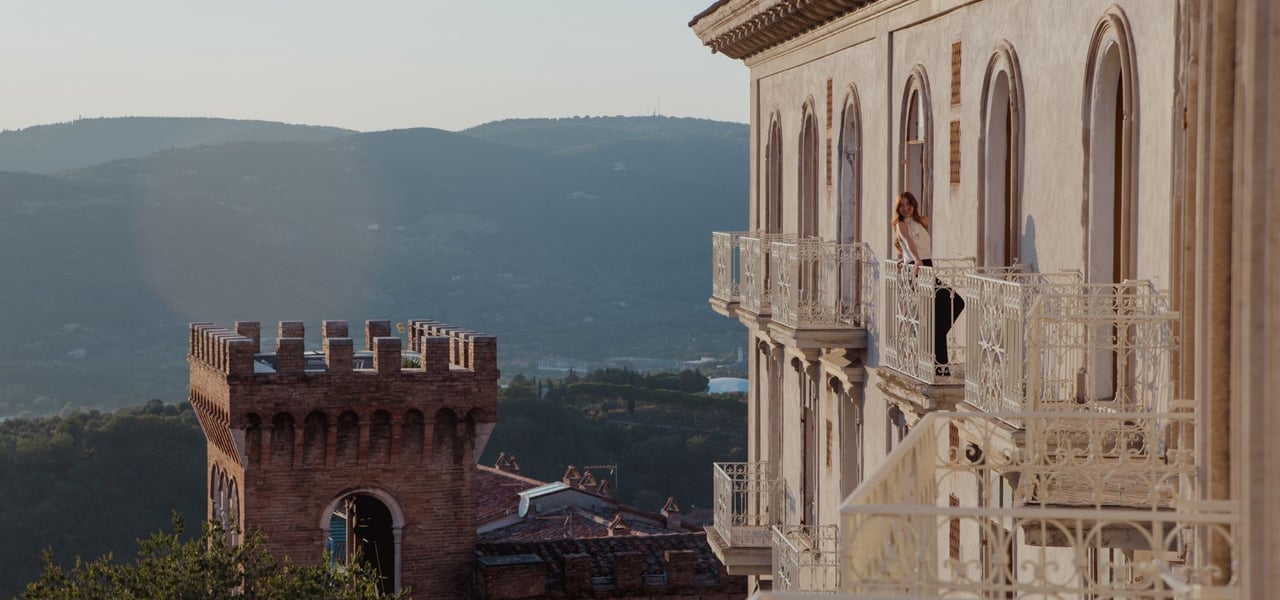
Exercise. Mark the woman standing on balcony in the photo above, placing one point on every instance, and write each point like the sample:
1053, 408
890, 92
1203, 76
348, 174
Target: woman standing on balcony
913, 240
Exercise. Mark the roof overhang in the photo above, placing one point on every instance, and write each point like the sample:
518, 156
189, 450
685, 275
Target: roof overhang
741, 28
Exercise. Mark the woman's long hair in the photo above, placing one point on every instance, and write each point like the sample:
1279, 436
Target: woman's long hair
909, 198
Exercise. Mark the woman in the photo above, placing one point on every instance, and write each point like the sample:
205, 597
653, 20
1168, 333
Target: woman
911, 232
913, 240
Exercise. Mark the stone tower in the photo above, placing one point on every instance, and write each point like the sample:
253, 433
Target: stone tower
346, 450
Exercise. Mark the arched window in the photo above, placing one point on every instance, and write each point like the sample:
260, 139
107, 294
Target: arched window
807, 227
850, 165
916, 141
1111, 119
1110, 115
770, 220
1000, 166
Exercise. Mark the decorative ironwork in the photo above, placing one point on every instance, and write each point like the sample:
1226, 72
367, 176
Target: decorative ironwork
725, 265
923, 299
1077, 505
821, 284
806, 559
1050, 342
745, 501
753, 257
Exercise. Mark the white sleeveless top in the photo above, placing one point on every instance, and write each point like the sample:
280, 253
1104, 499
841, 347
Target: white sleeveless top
922, 240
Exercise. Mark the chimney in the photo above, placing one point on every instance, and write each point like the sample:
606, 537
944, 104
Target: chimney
671, 511
618, 527
507, 463
571, 476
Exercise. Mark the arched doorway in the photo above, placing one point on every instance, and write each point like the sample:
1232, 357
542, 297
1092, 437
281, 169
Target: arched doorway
1000, 190
365, 525
1111, 121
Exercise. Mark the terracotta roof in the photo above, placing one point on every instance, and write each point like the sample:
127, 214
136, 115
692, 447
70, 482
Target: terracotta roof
574, 522
603, 550
498, 493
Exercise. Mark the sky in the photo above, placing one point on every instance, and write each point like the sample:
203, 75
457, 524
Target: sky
366, 65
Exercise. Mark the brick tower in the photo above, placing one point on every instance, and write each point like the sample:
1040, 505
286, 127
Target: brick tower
346, 450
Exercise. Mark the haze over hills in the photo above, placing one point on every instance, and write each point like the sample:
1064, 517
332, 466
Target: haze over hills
87, 142
582, 237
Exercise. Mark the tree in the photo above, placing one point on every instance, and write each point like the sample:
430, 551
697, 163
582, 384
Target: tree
207, 567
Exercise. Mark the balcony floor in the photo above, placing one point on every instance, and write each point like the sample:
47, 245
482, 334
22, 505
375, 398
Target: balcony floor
751, 560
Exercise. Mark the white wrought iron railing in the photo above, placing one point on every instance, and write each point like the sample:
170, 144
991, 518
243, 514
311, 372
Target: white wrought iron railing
745, 496
726, 264
753, 256
1050, 342
821, 284
806, 558
918, 303
1077, 505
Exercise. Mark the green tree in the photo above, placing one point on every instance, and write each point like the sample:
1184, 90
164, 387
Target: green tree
207, 567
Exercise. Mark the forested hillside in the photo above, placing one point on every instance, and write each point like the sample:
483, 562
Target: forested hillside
583, 238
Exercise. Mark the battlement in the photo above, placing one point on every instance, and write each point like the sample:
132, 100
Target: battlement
433, 347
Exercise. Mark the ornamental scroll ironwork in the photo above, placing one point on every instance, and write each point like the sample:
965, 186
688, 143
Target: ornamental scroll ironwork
1078, 504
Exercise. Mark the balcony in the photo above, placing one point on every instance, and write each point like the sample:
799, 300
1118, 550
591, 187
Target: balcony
1050, 342
821, 292
986, 518
917, 302
812, 293
741, 534
806, 559
726, 264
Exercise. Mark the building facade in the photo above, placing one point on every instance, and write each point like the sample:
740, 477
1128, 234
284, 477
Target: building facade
1049, 409
358, 453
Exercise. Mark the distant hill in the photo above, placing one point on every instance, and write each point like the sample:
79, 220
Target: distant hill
590, 250
87, 142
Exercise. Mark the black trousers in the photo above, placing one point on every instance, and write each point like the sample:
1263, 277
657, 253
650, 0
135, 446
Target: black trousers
947, 306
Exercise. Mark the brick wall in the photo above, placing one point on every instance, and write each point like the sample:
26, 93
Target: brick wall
302, 440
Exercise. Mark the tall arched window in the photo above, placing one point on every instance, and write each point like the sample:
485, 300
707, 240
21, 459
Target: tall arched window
808, 213
1110, 114
916, 141
1111, 119
850, 165
1000, 183
770, 219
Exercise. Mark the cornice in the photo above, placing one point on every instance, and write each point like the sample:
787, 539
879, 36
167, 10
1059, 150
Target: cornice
741, 28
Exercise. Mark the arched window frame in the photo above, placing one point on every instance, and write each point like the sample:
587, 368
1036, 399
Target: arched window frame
1113, 31
769, 218
1003, 61
809, 150
849, 206
916, 94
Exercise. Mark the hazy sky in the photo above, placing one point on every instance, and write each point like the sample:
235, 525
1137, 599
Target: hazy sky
360, 64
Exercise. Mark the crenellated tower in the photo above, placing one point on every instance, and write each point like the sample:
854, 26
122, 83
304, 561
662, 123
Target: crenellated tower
343, 450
